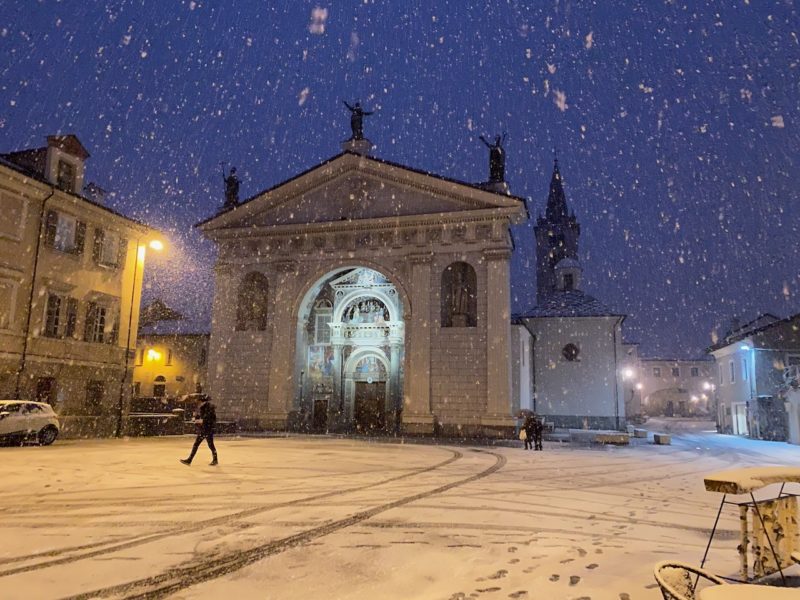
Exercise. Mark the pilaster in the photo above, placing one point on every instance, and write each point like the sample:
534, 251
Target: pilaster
417, 417
498, 334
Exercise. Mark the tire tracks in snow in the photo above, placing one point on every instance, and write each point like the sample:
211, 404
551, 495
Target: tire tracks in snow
102, 548
179, 578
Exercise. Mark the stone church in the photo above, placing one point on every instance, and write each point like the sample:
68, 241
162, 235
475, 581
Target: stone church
364, 295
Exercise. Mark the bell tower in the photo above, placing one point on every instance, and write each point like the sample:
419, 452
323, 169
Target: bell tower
556, 235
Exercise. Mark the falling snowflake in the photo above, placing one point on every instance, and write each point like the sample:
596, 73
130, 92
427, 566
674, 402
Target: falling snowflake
318, 18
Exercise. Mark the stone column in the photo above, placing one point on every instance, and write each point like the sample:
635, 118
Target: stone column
281, 370
417, 417
393, 389
498, 339
336, 411
223, 311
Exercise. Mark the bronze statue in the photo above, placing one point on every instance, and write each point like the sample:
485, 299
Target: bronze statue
497, 159
357, 115
231, 187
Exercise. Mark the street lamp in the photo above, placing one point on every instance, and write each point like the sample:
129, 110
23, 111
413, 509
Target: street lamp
141, 250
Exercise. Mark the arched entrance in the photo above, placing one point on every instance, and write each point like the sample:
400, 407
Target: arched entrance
349, 359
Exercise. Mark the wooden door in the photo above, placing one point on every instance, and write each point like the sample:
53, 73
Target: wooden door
369, 410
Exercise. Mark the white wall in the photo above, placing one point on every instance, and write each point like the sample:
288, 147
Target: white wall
588, 387
521, 368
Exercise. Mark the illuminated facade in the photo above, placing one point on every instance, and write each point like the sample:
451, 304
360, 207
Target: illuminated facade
70, 285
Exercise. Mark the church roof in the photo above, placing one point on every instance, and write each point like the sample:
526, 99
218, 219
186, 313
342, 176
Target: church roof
568, 303
568, 263
174, 327
479, 195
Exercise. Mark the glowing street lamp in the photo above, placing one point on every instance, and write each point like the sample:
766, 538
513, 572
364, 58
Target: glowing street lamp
157, 245
627, 373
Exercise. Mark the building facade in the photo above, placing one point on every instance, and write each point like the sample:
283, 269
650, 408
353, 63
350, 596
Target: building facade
365, 295
675, 388
751, 361
70, 284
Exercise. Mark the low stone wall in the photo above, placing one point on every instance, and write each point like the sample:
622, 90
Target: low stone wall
585, 422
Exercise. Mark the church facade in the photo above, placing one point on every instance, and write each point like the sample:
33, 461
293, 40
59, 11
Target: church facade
364, 295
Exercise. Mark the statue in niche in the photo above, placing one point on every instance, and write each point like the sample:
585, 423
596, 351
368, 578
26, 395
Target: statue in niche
497, 159
460, 301
357, 115
231, 187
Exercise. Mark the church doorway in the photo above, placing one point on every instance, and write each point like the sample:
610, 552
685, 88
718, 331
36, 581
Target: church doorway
369, 412
350, 349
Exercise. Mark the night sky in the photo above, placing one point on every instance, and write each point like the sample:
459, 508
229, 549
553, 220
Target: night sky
676, 126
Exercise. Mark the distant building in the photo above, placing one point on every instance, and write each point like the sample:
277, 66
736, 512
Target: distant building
578, 349
171, 353
676, 387
70, 285
751, 361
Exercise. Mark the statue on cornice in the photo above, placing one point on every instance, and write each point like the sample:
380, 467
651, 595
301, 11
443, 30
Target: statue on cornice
497, 159
357, 115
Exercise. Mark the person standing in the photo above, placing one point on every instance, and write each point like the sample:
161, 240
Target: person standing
528, 427
538, 431
205, 421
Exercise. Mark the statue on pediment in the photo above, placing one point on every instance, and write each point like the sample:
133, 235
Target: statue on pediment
231, 188
357, 115
497, 159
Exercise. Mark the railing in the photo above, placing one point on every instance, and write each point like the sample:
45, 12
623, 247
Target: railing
365, 331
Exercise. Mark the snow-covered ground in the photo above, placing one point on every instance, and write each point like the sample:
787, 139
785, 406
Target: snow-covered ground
315, 517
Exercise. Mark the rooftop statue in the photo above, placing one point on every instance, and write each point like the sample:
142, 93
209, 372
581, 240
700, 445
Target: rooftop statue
497, 159
231, 187
357, 115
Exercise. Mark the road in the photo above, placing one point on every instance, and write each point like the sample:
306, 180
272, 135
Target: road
302, 517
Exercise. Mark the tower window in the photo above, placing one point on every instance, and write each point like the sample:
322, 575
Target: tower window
570, 352
569, 281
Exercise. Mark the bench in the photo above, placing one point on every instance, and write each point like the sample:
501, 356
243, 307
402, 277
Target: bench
662, 439
640, 433
617, 439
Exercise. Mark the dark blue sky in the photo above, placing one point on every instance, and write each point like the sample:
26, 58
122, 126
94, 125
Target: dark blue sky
676, 126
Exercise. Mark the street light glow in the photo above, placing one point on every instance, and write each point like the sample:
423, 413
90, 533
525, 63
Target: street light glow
639, 386
627, 372
157, 245
153, 354
744, 347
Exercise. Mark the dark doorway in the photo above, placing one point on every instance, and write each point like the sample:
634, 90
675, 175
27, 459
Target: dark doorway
46, 390
319, 417
370, 406
669, 410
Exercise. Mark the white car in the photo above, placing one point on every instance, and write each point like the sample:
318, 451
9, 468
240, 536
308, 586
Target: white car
23, 419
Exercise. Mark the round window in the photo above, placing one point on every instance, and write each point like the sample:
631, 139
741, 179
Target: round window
570, 352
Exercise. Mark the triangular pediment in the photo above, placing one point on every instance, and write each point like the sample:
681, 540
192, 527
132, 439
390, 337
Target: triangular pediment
353, 187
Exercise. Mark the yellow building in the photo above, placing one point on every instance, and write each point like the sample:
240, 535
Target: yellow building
70, 286
169, 364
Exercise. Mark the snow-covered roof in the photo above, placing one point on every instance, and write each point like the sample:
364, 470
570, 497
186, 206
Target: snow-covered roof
569, 303
568, 263
176, 327
744, 481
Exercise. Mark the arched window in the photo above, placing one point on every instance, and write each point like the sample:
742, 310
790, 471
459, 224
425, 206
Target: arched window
251, 309
459, 296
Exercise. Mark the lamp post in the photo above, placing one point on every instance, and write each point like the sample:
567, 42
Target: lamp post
139, 256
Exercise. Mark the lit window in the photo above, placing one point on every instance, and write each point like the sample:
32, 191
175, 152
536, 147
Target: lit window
109, 248
95, 329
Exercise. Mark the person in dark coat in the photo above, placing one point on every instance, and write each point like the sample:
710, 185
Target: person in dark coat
538, 431
205, 421
528, 427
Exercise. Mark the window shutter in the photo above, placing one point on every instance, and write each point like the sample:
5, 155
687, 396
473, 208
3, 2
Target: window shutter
97, 248
72, 317
91, 315
80, 237
114, 337
123, 252
50, 227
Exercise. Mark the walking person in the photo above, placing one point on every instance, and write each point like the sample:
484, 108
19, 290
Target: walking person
537, 429
205, 421
527, 426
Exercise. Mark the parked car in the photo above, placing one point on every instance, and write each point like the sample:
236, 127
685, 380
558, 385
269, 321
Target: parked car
22, 419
